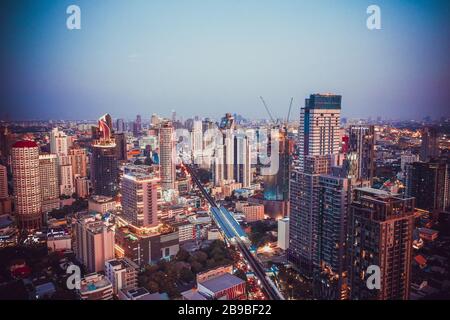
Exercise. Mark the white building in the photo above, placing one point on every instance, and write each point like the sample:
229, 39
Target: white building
122, 273
283, 233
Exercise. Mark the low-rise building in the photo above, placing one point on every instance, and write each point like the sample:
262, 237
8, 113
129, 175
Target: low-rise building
95, 286
122, 273
101, 204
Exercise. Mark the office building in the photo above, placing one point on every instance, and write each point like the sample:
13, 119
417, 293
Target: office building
140, 198
104, 164
27, 184
319, 132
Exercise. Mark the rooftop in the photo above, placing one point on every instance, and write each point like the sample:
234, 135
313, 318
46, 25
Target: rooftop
222, 282
25, 144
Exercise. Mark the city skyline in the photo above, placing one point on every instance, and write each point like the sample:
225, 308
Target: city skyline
201, 58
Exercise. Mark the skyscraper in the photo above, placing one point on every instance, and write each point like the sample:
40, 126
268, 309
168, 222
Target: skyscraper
335, 194
104, 165
319, 132
430, 144
167, 156
78, 160
380, 235
27, 186
242, 164
428, 183
120, 126
3, 182
361, 150
197, 140
139, 199
66, 176
48, 171
121, 146
305, 213
59, 143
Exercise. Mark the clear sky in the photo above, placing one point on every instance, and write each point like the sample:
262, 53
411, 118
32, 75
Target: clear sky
208, 57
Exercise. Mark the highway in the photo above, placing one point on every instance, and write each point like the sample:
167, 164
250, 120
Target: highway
255, 265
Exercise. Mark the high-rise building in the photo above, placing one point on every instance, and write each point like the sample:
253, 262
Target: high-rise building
167, 156
242, 164
59, 142
304, 217
283, 234
430, 144
335, 194
380, 233
66, 179
79, 160
49, 176
3, 182
276, 185
121, 146
27, 184
361, 150
137, 127
120, 126
428, 183
319, 132
197, 140
139, 199
104, 164
82, 185
94, 243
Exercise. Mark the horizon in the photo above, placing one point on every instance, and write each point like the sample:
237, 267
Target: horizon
201, 58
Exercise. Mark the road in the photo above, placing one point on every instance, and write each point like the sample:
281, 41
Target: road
259, 271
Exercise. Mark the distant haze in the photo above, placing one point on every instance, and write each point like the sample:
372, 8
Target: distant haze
205, 58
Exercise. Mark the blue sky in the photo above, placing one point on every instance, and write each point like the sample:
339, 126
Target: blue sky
206, 58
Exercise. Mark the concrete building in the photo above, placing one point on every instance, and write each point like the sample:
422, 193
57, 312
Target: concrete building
140, 199
305, 212
283, 234
48, 172
319, 132
146, 248
27, 184
94, 243
382, 227
253, 212
3, 182
95, 286
101, 204
79, 160
167, 156
122, 273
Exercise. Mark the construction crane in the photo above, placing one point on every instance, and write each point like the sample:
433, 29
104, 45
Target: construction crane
267, 108
289, 112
